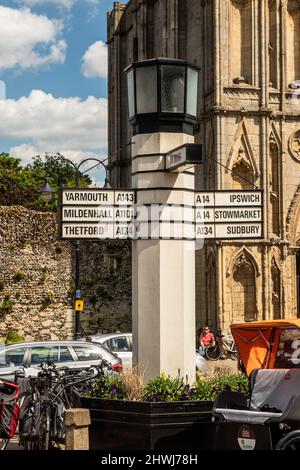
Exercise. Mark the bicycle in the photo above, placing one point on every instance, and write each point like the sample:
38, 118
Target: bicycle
225, 346
9, 411
42, 423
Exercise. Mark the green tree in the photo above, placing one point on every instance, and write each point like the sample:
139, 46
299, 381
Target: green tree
20, 185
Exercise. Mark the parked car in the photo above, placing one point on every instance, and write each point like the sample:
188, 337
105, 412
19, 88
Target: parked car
121, 344
73, 354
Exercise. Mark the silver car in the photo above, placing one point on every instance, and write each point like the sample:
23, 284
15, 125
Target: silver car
73, 354
121, 344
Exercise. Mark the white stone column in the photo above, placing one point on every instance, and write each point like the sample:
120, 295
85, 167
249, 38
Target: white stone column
163, 270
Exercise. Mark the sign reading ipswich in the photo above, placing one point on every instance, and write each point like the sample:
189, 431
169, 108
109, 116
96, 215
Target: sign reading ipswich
96, 213
229, 214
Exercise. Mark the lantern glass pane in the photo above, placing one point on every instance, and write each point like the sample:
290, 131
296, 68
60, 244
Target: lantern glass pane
172, 88
192, 92
146, 89
131, 98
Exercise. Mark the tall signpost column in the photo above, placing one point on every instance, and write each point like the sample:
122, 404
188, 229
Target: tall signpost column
162, 110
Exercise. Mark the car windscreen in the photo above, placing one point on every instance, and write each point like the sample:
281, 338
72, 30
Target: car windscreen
107, 351
11, 357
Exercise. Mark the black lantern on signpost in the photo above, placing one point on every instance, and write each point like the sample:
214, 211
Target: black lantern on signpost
162, 95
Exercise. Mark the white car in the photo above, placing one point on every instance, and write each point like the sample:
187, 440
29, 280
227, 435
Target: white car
121, 345
72, 354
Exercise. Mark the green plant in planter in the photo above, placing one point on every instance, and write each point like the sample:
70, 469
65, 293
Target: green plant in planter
164, 388
105, 387
13, 337
7, 305
208, 389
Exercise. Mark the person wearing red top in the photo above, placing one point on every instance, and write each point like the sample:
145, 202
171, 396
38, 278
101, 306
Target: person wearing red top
206, 339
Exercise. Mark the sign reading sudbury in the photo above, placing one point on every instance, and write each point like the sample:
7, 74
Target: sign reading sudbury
114, 214
229, 214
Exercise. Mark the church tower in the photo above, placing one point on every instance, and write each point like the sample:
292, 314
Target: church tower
249, 124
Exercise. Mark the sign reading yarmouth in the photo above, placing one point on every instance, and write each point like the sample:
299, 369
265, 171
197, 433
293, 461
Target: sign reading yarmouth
229, 214
114, 214
97, 213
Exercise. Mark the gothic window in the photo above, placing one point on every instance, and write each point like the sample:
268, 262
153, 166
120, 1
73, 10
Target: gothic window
240, 41
275, 276
243, 176
274, 187
244, 290
273, 43
293, 41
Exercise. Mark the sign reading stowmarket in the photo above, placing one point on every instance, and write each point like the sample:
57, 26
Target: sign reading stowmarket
97, 213
229, 214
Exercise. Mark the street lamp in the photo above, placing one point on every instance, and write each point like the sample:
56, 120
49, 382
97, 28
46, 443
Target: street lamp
162, 105
162, 95
47, 192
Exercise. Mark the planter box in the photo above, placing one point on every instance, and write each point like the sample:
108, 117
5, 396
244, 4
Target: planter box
129, 425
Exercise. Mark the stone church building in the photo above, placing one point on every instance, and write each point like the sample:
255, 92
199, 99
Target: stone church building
248, 121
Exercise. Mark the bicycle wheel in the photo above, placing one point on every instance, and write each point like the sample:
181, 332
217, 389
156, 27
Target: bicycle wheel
44, 430
41, 438
213, 353
3, 443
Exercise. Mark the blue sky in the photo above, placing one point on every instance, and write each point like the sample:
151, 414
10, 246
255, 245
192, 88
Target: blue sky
53, 60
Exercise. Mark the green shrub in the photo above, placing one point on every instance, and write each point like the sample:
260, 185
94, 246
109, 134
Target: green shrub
47, 301
44, 275
58, 249
13, 337
19, 275
7, 305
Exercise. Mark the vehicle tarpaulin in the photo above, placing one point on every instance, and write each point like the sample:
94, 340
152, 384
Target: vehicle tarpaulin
257, 342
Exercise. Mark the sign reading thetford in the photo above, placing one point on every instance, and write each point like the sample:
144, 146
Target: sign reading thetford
97, 213
229, 214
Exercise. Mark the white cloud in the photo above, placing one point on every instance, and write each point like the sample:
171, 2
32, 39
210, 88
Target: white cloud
26, 152
29, 40
40, 123
62, 3
95, 61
